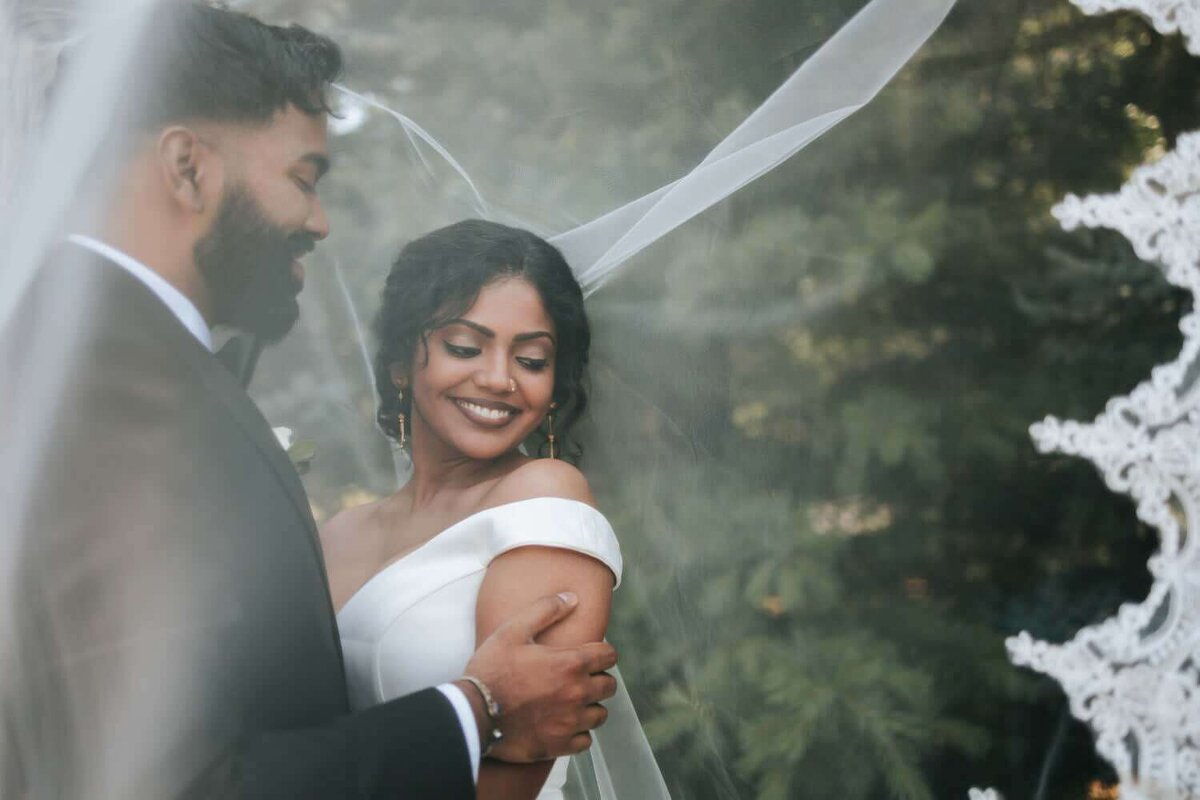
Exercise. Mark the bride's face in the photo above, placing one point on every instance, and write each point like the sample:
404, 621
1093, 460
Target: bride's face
487, 379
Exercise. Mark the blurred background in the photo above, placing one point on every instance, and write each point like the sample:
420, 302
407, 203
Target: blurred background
810, 405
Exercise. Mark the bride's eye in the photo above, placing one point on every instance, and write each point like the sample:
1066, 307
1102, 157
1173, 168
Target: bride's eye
533, 364
460, 351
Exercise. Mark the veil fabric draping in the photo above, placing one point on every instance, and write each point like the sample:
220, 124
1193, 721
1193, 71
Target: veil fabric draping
41, 174
832, 84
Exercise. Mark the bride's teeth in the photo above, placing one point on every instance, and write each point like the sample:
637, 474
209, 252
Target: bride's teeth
489, 413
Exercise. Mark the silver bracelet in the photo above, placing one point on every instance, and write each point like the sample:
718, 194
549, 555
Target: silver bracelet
493, 711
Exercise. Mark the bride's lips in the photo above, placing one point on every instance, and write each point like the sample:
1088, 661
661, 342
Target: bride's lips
488, 413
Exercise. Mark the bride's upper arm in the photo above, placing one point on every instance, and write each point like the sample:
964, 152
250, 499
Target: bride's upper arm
518, 577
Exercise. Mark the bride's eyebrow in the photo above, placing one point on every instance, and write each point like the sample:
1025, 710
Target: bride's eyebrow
475, 326
491, 334
525, 337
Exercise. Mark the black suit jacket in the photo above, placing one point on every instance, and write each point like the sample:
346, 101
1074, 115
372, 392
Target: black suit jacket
167, 627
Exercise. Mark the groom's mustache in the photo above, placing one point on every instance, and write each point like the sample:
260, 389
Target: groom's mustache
302, 244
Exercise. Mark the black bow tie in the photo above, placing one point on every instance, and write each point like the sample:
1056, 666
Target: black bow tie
240, 356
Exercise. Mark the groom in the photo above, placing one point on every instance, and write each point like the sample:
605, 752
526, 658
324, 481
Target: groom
168, 627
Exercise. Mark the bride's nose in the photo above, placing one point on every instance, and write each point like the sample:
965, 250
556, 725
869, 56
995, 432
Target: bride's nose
495, 376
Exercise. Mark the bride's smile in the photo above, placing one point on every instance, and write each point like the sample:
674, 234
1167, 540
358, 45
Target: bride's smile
488, 413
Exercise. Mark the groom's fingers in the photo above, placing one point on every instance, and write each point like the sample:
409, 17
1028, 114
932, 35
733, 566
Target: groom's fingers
594, 716
541, 614
597, 656
579, 742
600, 687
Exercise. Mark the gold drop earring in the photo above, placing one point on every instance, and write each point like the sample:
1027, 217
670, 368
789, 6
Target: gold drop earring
400, 418
550, 435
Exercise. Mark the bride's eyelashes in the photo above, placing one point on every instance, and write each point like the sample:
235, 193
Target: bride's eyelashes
460, 351
467, 351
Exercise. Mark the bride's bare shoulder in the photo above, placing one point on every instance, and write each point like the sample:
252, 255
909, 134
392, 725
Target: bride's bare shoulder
350, 541
542, 477
345, 529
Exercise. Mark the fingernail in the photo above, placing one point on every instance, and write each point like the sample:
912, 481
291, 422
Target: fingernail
568, 597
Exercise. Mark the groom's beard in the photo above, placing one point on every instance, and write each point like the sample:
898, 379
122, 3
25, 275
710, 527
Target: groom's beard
246, 260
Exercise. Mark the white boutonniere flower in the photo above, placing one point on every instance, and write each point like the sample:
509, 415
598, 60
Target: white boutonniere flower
284, 436
299, 451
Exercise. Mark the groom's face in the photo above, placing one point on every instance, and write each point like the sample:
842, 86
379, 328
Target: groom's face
268, 218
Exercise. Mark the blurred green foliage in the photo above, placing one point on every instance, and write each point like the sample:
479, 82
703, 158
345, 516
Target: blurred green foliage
811, 405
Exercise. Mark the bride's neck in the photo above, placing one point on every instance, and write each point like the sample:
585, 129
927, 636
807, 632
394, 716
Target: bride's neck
436, 475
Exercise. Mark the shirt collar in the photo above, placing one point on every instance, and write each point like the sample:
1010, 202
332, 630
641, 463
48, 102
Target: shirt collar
178, 303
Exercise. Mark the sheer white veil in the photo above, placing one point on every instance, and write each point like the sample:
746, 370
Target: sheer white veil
832, 84
46, 150
41, 173
47, 153
837, 80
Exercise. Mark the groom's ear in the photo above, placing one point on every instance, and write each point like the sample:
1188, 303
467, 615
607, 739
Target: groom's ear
185, 164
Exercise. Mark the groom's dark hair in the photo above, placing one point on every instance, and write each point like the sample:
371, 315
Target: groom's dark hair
201, 61
212, 63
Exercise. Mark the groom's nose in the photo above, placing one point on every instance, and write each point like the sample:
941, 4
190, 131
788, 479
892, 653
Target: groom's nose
317, 224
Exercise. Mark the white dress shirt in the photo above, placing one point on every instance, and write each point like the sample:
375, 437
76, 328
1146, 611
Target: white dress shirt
183, 308
189, 316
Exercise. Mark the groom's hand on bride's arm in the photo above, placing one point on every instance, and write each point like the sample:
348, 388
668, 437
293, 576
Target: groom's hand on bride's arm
549, 697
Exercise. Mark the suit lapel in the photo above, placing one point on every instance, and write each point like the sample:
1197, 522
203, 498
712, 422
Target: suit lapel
222, 385
224, 388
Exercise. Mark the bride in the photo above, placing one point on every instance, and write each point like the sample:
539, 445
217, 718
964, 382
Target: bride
483, 344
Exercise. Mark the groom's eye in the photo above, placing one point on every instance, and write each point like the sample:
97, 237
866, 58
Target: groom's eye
460, 351
304, 185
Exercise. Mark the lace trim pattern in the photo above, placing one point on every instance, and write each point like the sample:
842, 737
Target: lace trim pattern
1167, 16
1135, 678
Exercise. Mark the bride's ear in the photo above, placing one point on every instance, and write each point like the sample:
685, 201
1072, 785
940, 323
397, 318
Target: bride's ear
399, 375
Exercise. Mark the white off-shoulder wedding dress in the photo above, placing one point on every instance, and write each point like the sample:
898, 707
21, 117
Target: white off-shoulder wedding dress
412, 625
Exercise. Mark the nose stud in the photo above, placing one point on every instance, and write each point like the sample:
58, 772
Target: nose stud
512, 385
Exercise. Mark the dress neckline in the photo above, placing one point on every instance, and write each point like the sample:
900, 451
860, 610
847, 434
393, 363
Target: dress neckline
386, 568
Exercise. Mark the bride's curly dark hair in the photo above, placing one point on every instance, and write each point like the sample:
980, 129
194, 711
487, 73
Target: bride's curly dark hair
438, 277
